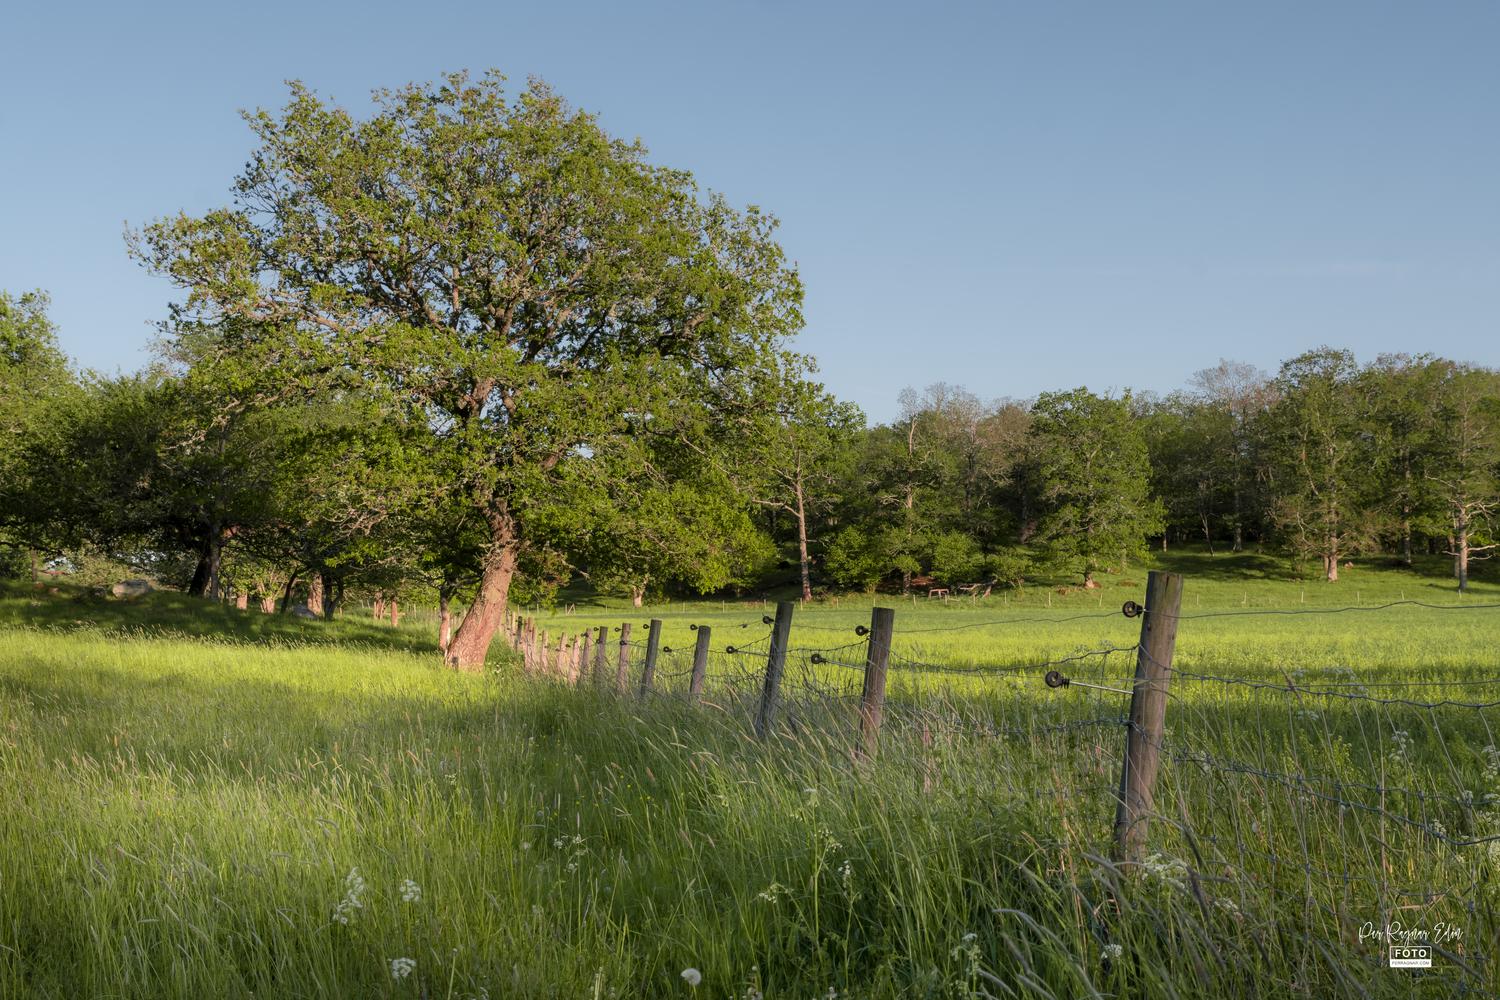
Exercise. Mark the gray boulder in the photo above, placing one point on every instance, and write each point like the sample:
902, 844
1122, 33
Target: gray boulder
303, 611
131, 590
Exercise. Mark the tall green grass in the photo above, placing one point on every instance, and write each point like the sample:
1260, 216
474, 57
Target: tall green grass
187, 808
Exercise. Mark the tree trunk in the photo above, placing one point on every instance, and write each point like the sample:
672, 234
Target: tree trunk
445, 621
242, 601
286, 593
1239, 528
395, 613
802, 542
315, 594
1331, 566
1461, 554
472, 641
205, 582
267, 604
333, 596
377, 609
637, 595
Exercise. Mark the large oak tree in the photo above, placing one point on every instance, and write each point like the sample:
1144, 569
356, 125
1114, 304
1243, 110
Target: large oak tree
503, 269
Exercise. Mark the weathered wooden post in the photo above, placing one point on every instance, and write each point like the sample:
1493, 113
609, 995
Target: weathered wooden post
520, 623
1148, 714
622, 667
700, 663
585, 646
872, 697
544, 655
775, 666
653, 643
599, 655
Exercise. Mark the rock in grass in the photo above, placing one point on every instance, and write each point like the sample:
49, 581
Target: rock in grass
131, 590
303, 611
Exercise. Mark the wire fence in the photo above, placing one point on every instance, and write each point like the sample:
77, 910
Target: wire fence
1354, 798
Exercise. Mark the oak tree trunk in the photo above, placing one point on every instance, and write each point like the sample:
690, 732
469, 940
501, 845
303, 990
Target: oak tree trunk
802, 543
315, 594
445, 622
471, 643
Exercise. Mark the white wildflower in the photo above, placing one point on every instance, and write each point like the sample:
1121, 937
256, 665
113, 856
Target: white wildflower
402, 967
410, 891
692, 977
1113, 951
354, 888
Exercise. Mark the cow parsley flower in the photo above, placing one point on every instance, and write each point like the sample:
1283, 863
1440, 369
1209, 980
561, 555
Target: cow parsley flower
410, 891
1113, 951
402, 967
354, 888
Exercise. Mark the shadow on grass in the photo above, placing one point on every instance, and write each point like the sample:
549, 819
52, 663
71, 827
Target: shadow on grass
68, 607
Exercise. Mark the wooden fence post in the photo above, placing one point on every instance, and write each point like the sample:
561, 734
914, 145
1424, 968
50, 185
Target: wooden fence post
515, 642
700, 663
622, 667
775, 666
653, 643
872, 698
544, 664
599, 655
1148, 714
585, 647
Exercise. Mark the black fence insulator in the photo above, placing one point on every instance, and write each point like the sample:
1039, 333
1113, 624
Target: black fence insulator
861, 630
730, 649
1055, 679
817, 658
693, 628
1130, 609
767, 620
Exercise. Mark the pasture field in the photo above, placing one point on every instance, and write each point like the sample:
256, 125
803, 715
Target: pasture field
199, 802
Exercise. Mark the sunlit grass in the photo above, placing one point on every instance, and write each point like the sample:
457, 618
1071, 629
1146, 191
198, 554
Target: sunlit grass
185, 795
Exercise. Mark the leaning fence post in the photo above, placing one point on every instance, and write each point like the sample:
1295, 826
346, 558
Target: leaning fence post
599, 655
775, 666
622, 667
653, 643
1148, 713
872, 698
700, 663
520, 624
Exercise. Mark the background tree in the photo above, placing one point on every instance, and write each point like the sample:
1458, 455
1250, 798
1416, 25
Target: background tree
1400, 396
796, 459
1465, 463
496, 268
1324, 479
1096, 480
36, 387
1244, 393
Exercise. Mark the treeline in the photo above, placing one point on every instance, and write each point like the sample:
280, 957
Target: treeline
1323, 461
473, 349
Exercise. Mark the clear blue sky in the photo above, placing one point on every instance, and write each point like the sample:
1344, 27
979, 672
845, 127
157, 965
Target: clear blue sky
1009, 196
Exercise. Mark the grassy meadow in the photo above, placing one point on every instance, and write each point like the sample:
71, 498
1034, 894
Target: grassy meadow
196, 802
